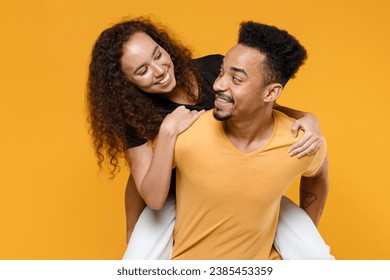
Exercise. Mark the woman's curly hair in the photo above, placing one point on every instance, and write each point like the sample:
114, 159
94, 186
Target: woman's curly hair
114, 103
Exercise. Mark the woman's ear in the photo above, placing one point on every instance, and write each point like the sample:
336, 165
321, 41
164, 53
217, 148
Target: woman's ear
273, 91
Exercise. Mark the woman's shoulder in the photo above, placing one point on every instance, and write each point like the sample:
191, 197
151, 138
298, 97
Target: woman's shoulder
209, 60
209, 66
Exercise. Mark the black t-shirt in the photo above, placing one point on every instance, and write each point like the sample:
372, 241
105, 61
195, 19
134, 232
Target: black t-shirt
209, 67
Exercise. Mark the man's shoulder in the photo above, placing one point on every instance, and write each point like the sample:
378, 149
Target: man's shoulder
284, 139
282, 117
200, 134
204, 125
284, 123
205, 121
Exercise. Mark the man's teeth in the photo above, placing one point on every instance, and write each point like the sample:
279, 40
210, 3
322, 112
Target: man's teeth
223, 99
166, 79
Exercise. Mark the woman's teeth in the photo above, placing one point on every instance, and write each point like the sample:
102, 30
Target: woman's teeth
164, 80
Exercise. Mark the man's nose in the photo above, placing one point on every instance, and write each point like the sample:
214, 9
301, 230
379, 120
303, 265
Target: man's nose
219, 84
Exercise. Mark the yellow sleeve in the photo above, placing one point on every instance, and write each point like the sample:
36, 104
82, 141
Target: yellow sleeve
318, 159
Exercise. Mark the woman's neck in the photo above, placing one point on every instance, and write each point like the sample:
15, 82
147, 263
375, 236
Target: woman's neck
181, 96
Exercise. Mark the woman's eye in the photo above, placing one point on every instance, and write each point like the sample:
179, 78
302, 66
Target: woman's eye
143, 71
158, 56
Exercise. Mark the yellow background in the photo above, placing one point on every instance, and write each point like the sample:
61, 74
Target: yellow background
54, 202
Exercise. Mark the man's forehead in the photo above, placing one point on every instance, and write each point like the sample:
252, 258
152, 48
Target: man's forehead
243, 57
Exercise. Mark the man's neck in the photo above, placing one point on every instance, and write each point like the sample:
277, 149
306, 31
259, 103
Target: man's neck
249, 134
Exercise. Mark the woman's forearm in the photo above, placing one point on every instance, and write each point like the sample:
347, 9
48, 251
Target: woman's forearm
155, 185
296, 114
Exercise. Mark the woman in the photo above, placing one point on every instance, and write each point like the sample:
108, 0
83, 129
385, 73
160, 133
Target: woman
138, 81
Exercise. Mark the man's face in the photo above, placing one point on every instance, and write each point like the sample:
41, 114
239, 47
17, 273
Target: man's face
239, 88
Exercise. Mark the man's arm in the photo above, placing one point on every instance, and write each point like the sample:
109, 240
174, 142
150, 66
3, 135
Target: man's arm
314, 191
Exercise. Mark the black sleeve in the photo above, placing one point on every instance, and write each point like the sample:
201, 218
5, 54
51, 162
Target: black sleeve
132, 138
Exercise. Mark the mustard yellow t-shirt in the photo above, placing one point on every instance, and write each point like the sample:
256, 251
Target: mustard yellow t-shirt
228, 201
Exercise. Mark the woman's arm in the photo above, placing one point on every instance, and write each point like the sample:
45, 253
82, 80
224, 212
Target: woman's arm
151, 170
311, 140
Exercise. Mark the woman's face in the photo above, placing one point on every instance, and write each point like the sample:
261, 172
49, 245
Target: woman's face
148, 65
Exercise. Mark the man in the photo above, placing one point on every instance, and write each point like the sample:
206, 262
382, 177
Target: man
232, 173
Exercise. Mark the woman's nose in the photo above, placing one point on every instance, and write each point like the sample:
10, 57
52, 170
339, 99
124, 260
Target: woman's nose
158, 70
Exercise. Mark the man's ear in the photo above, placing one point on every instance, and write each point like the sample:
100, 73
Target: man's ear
273, 91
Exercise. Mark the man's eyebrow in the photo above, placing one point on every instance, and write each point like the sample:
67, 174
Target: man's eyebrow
235, 69
153, 54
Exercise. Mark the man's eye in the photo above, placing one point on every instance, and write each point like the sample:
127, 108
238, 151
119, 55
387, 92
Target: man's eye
236, 79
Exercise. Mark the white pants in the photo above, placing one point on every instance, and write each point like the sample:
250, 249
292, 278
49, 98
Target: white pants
297, 238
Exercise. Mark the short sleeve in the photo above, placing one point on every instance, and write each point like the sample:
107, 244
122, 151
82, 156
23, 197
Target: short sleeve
318, 160
132, 138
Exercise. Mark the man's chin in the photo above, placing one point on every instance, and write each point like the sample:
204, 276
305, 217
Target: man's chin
221, 117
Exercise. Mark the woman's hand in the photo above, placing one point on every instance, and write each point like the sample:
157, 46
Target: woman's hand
310, 141
180, 120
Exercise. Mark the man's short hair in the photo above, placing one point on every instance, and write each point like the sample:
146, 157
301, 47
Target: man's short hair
284, 54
